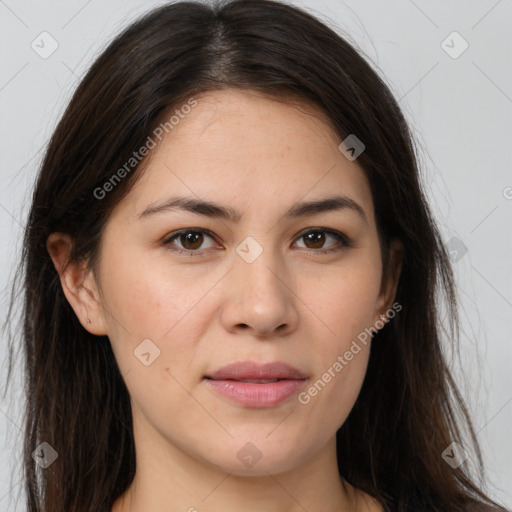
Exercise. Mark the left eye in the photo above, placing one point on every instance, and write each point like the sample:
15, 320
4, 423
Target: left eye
317, 237
191, 240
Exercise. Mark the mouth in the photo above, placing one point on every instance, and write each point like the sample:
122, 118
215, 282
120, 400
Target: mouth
251, 381
253, 371
254, 385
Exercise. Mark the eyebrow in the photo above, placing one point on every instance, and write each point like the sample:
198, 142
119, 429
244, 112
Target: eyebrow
211, 209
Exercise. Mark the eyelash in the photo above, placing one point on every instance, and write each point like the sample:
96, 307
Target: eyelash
340, 237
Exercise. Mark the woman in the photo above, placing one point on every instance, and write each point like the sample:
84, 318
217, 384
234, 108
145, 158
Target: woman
230, 276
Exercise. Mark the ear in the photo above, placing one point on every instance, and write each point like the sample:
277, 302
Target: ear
389, 282
78, 284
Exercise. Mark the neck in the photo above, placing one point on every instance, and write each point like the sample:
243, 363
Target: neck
169, 479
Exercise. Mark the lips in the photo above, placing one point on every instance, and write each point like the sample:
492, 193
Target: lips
250, 371
255, 385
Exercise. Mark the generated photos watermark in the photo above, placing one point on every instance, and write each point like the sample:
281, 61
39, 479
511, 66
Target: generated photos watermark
137, 156
343, 360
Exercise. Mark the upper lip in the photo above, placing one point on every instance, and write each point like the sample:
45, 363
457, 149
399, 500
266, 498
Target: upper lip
248, 370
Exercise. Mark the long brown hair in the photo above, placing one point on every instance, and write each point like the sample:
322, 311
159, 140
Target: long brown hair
408, 411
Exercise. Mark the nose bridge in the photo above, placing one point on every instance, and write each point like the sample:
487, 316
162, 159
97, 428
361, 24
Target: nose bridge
259, 298
257, 267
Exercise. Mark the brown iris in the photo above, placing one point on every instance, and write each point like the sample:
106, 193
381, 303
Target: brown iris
317, 238
191, 240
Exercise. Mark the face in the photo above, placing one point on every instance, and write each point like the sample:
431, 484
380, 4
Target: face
256, 279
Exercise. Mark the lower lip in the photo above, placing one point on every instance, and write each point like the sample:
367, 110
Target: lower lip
254, 394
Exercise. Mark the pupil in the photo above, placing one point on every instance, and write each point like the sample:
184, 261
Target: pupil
317, 238
191, 239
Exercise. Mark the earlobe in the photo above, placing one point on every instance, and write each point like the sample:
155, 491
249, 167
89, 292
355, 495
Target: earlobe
78, 284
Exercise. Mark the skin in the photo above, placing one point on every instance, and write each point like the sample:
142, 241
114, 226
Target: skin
293, 304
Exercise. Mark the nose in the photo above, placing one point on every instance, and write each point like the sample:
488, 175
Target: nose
260, 299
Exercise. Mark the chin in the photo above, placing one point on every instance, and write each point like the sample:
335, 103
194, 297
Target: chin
274, 465
256, 459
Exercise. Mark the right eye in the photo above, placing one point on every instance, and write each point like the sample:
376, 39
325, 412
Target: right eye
190, 239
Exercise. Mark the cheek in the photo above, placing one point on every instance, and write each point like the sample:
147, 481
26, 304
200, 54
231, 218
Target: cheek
343, 301
344, 305
152, 300
334, 390
149, 295
170, 304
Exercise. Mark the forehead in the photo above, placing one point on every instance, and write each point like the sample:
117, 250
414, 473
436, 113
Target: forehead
252, 152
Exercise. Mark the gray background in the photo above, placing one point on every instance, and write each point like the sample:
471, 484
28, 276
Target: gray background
459, 109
